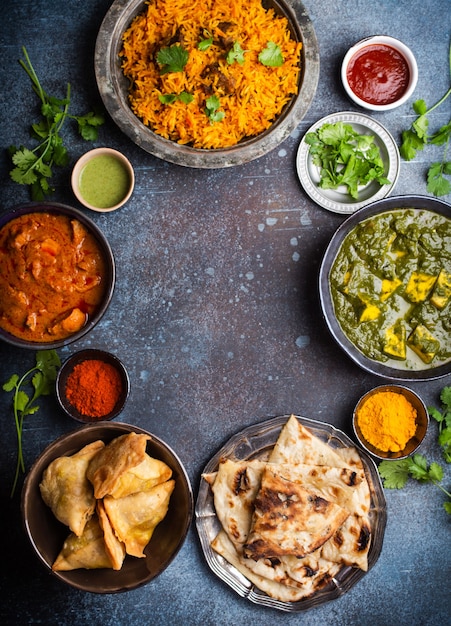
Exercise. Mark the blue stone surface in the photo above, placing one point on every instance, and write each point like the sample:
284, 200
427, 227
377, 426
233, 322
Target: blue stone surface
217, 320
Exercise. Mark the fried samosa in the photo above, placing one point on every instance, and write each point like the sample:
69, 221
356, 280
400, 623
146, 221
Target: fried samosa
87, 552
67, 491
117, 457
135, 517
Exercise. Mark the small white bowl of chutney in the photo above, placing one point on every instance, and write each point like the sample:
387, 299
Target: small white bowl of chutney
103, 179
379, 73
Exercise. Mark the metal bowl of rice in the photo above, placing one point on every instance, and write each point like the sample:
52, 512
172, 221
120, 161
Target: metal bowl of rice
199, 115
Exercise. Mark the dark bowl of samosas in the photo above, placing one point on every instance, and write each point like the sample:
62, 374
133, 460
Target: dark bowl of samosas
107, 507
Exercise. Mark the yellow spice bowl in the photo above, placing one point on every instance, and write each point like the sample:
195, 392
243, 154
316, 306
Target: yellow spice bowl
421, 422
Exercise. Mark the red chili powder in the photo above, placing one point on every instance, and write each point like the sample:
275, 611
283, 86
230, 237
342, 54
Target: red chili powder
94, 387
378, 74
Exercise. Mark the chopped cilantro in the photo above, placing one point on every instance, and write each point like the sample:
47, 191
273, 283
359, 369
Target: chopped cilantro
345, 157
212, 109
271, 55
204, 44
172, 59
236, 53
170, 98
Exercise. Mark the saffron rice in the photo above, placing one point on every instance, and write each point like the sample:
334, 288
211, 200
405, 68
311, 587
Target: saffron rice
251, 95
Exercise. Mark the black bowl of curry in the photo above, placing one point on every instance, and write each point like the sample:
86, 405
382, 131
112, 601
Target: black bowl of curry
57, 275
385, 288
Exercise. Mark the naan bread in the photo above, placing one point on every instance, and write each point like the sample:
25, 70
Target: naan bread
289, 519
234, 491
135, 517
296, 444
300, 467
142, 477
117, 458
87, 551
350, 544
66, 490
282, 588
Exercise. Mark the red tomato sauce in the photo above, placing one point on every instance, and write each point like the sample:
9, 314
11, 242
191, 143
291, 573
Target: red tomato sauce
378, 74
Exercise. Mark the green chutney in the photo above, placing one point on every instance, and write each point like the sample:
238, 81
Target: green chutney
390, 285
104, 181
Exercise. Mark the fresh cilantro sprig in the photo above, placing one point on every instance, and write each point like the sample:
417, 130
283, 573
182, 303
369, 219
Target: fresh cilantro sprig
345, 157
41, 378
443, 417
271, 55
396, 474
212, 105
416, 137
33, 167
172, 59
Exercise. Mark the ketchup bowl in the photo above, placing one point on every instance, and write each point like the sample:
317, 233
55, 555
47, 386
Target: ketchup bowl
379, 73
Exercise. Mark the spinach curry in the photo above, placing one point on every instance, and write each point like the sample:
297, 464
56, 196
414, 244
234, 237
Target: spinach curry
391, 288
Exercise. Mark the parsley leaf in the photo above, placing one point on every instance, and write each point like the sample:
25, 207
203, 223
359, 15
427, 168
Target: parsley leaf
34, 167
172, 59
271, 55
41, 377
344, 157
236, 53
212, 109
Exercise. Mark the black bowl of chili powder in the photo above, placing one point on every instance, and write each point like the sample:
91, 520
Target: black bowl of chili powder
92, 385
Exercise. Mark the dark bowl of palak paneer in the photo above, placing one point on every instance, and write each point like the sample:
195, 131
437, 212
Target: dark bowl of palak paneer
385, 288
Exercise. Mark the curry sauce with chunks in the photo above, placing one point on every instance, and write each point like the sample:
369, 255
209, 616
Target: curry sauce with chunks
51, 276
391, 288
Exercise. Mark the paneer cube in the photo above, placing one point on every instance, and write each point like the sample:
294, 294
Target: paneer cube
442, 290
419, 286
423, 343
395, 341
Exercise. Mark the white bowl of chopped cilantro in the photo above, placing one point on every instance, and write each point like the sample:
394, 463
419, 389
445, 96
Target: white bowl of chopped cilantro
347, 160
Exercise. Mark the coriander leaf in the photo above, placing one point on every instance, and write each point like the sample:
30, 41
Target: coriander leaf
395, 473
211, 111
271, 55
34, 167
445, 397
437, 184
416, 138
236, 53
41, 378
170, 98
204, 44
167, 98
172, 59
447, 507
345, 157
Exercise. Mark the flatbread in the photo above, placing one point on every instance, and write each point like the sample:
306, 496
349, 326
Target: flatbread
263, 542
282, 588
296, 445
117, 457
289, 519
66, 490
234, 491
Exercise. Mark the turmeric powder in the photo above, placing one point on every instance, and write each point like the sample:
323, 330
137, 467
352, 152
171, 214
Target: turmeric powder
387, 420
